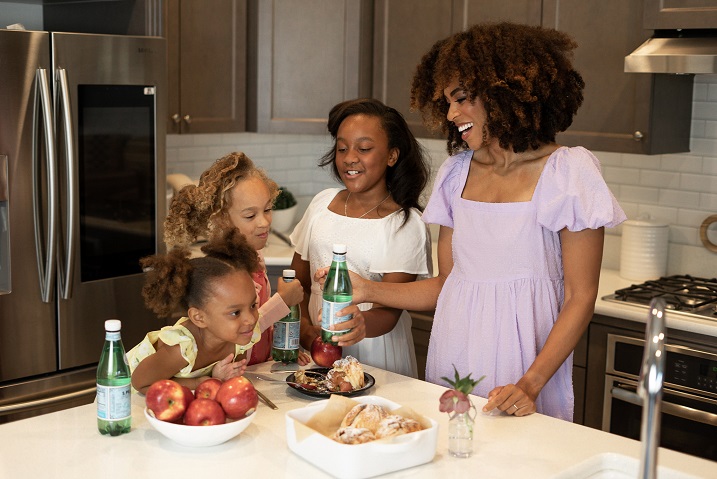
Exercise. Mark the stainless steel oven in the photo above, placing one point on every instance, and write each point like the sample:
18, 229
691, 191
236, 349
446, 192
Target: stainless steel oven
689, 404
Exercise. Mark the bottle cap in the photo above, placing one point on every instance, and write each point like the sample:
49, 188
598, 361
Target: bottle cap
339, 248
113, 325
288, 274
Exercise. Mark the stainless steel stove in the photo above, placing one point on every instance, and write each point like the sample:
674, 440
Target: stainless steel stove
684, 294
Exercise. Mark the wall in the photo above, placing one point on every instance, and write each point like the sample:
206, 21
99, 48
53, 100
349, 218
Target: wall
679, 189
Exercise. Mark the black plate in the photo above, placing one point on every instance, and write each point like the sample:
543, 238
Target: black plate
368, 381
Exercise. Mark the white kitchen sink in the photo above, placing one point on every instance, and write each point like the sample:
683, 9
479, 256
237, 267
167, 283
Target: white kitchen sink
615, 466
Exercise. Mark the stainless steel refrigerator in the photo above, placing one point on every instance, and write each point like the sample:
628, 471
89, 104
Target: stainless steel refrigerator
82, 199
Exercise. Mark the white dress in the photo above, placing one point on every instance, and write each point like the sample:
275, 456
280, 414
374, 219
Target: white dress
374, 247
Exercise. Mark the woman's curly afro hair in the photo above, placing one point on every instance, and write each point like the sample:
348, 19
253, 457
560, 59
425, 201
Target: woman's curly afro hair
522, 74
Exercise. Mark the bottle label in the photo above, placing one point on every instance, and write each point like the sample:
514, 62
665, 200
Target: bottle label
329, 317
286, 335
114, 402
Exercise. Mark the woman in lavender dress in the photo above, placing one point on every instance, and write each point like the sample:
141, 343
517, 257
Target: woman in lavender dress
521, 218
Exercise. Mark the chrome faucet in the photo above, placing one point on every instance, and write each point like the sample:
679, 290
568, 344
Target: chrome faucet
650, 387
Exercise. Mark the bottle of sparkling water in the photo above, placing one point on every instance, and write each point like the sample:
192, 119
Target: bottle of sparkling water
337, 295
286, 330
114, 410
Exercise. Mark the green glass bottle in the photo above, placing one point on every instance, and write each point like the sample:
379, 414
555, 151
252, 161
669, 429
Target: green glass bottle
114, 390
337, 295
286, 331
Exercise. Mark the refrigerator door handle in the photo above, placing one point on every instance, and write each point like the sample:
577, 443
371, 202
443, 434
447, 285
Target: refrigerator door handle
46, 258
62, 107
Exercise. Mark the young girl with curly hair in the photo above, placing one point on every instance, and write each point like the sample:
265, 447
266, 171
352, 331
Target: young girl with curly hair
521, 217
377, 215
222, 314
234, 194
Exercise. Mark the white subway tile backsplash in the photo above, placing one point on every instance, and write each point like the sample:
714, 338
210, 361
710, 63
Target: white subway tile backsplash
681, 162
709, 166
685, 199
620, 175
700, 182
708, 202
639, 194
660, 179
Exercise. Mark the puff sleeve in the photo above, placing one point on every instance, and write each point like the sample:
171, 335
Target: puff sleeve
445, 188
572, 193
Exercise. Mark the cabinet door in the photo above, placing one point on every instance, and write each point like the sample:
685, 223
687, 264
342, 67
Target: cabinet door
207, 66
404, 30
310, 55
616, 105
470, 12
674, 14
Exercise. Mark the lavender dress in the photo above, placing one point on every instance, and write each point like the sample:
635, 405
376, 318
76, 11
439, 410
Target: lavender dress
506, 288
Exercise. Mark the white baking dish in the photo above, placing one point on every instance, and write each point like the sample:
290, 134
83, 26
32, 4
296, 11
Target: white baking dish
358, 461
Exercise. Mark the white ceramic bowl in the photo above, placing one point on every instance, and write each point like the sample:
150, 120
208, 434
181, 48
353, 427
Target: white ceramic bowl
199, 436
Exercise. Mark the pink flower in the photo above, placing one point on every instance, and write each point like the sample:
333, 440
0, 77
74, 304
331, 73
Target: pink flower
456, 399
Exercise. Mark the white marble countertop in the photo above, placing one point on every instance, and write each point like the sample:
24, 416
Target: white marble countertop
66, 444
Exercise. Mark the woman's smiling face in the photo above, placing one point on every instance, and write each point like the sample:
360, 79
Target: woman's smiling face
469, 117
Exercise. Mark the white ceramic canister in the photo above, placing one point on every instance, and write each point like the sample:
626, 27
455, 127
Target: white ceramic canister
643, 250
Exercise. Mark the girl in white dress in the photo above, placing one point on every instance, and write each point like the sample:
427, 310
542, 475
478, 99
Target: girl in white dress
378, 217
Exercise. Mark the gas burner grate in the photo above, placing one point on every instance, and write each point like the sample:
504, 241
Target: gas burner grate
681, 292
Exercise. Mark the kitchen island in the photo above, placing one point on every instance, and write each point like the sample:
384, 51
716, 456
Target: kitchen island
66, 444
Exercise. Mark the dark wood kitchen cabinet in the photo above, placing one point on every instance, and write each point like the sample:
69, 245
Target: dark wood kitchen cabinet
638, 113
404, 30
676, 14
207, 45
306, 56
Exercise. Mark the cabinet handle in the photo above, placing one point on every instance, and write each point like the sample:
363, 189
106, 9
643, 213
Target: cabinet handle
176, 118
187, 119
638, 136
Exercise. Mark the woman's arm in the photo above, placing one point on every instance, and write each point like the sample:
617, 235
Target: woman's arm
417, 296
582, 255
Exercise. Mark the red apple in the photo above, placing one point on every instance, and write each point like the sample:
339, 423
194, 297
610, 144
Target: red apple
204, 412
238, 397
165, 398
324, 354
208, 388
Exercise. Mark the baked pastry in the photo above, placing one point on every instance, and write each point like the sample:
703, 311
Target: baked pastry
353, 435
350, 370
366, 416
395, 425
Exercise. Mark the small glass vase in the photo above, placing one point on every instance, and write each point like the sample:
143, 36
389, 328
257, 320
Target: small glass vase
460, 434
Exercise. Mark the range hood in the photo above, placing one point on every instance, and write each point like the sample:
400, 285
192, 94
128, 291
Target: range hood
675, 51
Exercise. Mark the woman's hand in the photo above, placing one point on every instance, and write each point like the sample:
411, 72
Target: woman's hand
510, 399
227, 368
357, 325
358, 284
292, 292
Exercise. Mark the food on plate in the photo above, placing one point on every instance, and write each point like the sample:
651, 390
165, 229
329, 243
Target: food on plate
238, 397
366, 416
346, 375
350, 369
395, 425
368, 422
324, 354
353, 435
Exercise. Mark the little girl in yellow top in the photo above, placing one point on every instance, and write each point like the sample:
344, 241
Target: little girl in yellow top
222, 322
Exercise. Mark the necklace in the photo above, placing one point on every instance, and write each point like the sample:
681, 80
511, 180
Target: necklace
346, 205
